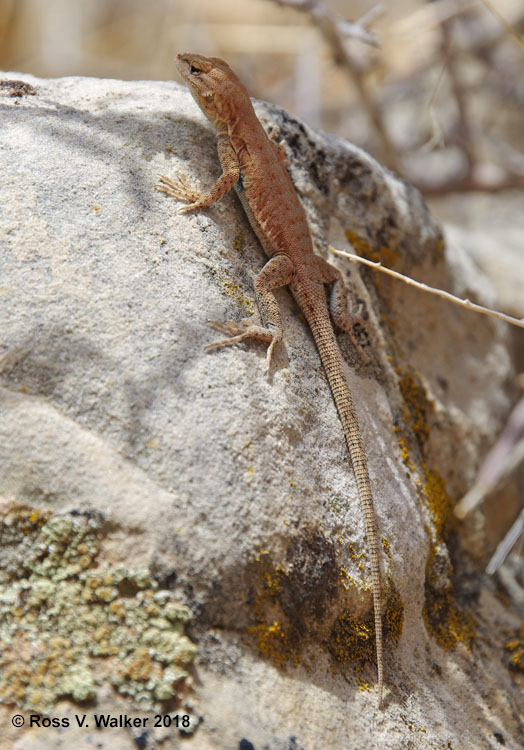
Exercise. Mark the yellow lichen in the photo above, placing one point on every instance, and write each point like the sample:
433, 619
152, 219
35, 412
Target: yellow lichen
347, 580
516, 648
274, 643
271, 636
439, 503
352, 639
233, 290
239, 243
446, 622
355, 555
380, 254
393, 614
405, 453
291, 609
416, 404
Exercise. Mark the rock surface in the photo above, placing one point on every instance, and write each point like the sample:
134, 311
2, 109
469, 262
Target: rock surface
180, 480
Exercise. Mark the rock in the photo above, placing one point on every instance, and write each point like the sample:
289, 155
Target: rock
226, 494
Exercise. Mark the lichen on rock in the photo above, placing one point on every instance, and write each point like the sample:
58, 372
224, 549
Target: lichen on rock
70, 621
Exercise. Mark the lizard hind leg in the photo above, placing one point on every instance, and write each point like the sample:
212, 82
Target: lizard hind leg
277, 272
339, 303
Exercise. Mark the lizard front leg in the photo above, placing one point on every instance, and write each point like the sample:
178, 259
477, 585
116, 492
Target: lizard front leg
179, 187
277, 272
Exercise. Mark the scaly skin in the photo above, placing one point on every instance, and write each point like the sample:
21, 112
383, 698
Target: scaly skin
254, 165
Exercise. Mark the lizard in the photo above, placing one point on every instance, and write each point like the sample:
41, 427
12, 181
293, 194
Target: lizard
255, 166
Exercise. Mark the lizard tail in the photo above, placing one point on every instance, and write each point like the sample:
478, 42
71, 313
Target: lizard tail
333, 365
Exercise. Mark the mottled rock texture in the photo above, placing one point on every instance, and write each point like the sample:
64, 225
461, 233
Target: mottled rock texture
174, 482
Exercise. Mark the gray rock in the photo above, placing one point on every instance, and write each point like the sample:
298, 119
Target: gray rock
229, 489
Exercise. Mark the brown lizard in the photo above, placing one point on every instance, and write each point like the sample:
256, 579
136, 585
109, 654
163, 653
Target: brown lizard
254, 165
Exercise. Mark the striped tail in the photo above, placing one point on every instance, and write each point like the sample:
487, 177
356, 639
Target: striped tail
332, 362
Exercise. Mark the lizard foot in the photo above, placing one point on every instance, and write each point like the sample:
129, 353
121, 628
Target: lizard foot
180, 189
358, 333
360, 337
356, 329
242, 330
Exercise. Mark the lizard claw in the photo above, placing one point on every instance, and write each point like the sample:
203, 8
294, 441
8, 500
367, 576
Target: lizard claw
230, 327
269, 357
237, 331
180, 189
240, 331
186, 209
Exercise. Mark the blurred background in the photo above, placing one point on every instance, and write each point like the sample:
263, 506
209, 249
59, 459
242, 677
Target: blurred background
433, 89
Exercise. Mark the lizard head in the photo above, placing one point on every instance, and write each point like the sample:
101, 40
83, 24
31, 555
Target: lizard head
212, 83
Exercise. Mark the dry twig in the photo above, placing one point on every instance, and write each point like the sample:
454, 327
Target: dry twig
431, 290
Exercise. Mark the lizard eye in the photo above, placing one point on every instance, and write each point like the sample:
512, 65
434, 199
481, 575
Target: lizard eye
193, 69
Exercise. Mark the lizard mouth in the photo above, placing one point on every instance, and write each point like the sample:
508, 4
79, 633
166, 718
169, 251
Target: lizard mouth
182, 64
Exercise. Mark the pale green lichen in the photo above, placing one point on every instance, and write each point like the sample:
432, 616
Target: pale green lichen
67, 624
